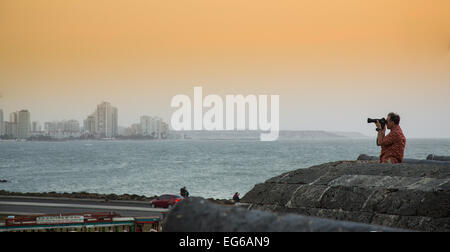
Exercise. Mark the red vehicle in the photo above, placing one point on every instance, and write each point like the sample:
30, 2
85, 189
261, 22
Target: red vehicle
166, 201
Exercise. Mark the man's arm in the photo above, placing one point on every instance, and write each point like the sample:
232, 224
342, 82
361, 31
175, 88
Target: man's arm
384, 140
381, 133
380, 138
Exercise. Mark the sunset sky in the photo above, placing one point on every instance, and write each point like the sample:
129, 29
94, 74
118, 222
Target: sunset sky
334, 63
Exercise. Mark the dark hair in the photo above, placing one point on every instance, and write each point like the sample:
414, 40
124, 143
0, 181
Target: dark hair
394, 117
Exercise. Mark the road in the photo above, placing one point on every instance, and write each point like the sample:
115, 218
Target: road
17, 205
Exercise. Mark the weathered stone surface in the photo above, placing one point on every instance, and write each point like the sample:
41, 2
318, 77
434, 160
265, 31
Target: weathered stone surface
280, 194
431, 159
367, 157
306, 196
199, 215
409, 196
438, 158
413, 222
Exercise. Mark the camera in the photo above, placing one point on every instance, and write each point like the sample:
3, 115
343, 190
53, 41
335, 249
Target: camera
382, 121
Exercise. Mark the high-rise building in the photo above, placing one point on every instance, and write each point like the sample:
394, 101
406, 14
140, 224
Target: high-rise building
115, 121
72, 127
50, 128
13, 117
10, 129
13, 125
157, 127
106, 120
146, 125
35, 127
89, 124
164, 130
23, 124
1, 122
153, 126
63, 129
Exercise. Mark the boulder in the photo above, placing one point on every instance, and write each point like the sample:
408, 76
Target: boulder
200, 215
365, 157
407, 196
431, 159
438, 158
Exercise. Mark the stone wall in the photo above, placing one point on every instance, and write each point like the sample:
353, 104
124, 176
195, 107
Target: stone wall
407, 196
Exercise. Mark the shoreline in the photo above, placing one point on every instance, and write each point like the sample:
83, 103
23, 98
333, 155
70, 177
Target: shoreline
98, 196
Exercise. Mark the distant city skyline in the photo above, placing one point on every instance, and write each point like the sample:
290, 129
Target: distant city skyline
80, 119
102, 123
136, 119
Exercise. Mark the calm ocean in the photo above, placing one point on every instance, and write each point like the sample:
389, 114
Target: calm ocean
208, 168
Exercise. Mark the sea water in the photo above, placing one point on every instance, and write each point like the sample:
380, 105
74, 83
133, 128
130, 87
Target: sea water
208, 168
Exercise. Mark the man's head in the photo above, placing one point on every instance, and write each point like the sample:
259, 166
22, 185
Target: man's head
392, 119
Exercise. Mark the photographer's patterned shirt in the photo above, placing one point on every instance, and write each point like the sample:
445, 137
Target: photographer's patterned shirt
393, 146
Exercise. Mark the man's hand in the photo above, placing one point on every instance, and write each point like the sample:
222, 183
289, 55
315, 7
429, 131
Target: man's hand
379, 126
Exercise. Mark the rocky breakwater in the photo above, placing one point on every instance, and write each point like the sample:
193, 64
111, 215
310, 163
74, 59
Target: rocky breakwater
407, 196
80, 195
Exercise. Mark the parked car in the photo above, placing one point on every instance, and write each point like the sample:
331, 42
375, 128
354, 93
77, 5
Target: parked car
166, 201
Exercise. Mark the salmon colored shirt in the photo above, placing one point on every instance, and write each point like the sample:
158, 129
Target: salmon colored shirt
393, 146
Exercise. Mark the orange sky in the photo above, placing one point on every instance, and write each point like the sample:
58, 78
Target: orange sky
324, 58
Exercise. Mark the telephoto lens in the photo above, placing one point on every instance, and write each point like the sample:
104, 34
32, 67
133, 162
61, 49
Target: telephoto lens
382, 121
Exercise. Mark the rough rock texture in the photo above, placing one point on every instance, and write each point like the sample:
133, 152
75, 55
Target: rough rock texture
199, 215
431, 159
408, 196
438, 158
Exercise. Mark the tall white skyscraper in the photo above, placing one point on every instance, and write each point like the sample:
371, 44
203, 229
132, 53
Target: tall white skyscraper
23, 124
146, 125
115, 122
157, 127
13, 117
106, 120
1, 122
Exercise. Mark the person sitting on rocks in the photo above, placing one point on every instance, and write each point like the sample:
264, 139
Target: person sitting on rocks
393, 144
236, 197
184, 192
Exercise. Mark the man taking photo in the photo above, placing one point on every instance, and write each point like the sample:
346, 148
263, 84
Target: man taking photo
393, 144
